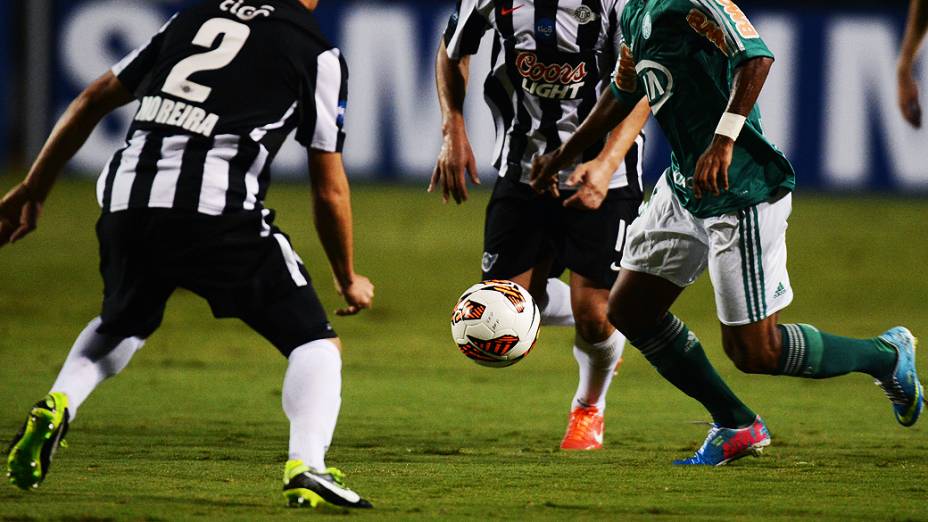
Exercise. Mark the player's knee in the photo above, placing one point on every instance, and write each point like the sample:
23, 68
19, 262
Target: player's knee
592, 323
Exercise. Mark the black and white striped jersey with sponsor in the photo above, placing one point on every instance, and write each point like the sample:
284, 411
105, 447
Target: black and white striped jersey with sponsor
551, 60
221, 86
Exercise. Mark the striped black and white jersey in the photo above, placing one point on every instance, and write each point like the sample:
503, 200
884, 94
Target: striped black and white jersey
551, 60
221, 86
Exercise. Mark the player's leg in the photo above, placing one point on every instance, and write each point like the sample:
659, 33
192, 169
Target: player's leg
639, 306
557, 309
311, 395
802, 350
666, 251
249, 270
598, 350
515, 249
756, 343
133, 305
93, 358
591, 247
514, 244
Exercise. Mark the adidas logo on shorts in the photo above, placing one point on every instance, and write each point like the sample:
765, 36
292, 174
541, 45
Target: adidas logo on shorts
780, 291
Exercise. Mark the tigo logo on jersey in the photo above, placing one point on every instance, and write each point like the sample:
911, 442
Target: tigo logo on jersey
708, 28
245, 12
557, 81
544, 29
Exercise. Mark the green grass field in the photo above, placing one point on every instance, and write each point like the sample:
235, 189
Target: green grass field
193, 428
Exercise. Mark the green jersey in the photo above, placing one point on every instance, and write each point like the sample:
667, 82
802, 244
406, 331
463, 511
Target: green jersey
682, 55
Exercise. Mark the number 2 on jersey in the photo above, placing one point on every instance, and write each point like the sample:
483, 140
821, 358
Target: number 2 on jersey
233, 35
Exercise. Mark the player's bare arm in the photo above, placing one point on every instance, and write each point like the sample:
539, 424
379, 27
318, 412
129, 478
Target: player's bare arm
606, 115
915, 30
332, 212
712, 168
20, 208
456, 157
592, 178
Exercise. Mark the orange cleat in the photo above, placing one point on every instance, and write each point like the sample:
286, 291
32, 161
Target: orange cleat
584, 430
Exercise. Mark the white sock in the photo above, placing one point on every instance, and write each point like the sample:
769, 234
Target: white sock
93, 359
557, 312
597, 365
311, 398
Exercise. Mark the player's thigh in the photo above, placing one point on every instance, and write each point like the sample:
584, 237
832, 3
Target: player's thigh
594, 240
534, 280
135, 290
747, 262
291, 320
515, 237
666, 241
247, 268
282, 304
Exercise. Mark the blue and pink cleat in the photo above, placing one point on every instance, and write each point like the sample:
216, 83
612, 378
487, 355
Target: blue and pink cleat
724, 445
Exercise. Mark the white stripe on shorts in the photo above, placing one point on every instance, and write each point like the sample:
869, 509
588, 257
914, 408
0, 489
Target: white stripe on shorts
290, 258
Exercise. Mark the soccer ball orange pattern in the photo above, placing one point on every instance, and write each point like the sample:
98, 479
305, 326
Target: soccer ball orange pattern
495, 323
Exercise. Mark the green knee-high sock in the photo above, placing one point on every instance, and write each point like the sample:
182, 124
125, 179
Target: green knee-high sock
807, 352
679, 358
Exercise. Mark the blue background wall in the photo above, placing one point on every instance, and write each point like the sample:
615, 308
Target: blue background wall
830, 102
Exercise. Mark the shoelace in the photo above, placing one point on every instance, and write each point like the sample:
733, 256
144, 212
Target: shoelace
894, 392
712, 433
337, 476
582, 423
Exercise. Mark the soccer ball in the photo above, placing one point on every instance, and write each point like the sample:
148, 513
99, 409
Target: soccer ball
495, 323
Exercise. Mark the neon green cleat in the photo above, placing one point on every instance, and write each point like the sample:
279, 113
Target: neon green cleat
33, 448
306, 487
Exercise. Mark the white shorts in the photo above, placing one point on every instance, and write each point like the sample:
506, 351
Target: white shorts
745, 252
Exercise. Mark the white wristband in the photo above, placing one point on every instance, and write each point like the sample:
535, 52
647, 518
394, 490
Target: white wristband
730, 125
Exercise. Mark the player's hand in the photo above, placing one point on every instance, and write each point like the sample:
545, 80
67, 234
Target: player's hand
456, 158
19, 214
358, 294
544, 176
712, 167
592, 181
908, 97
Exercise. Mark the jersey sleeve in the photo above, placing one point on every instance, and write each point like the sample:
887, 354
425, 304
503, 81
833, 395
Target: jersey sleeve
729, 29
466, 27
322, 108
626, 86
133, 69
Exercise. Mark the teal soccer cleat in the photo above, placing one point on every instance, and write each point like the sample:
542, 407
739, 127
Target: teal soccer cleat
33, 448
903, 388
724, 445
